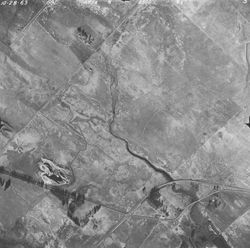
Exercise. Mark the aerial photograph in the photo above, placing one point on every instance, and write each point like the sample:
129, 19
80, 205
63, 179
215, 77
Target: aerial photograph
124, 123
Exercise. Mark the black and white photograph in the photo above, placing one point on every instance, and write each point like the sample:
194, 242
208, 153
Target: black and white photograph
124, 123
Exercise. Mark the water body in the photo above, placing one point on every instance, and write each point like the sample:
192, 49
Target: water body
203, 235
114, 97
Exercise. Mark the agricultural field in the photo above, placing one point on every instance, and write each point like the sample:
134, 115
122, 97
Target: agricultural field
124, 123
